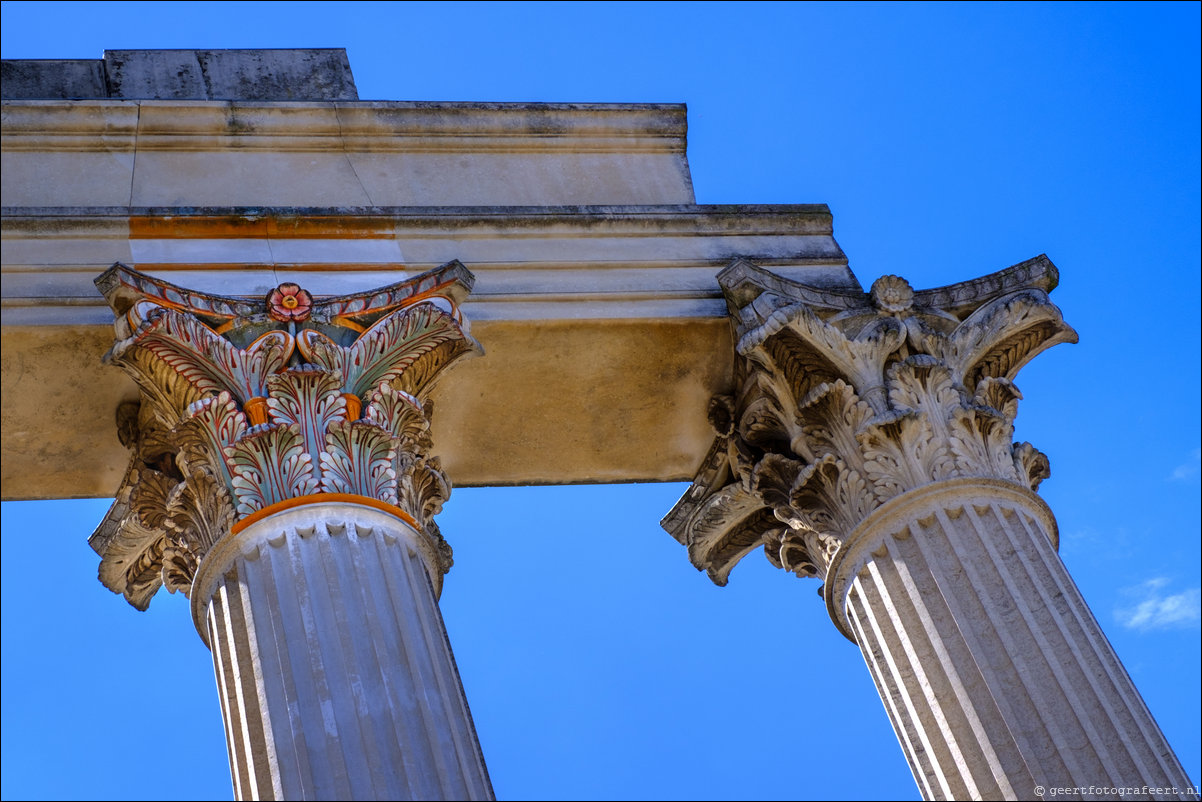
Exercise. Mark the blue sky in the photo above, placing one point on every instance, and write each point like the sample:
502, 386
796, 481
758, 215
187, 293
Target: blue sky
949, 141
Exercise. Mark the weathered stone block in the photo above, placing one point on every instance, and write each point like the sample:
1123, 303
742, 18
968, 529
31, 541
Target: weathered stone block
53, 79
230, 74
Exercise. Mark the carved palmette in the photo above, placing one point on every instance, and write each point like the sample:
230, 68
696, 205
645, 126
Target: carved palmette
247, 404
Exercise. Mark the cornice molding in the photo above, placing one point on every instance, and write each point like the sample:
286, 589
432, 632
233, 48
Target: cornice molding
363, 126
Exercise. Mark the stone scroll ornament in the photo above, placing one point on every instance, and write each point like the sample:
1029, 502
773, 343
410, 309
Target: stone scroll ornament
248, 405
846, 400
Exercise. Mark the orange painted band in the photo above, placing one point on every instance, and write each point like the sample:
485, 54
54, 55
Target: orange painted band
323, 498
346, 322
433, 292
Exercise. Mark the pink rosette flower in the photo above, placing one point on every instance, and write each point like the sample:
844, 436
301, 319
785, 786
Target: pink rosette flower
289, 303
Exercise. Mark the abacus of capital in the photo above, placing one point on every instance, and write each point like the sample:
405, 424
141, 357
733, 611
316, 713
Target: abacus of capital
285, 469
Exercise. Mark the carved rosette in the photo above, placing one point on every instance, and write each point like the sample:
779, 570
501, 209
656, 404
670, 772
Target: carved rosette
249, 404
846, 400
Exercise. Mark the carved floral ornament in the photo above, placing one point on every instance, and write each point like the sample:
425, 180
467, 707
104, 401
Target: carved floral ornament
289, 303
251, 404
844, 401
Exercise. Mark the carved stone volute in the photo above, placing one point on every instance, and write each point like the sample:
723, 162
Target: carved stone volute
846, 400
250, 405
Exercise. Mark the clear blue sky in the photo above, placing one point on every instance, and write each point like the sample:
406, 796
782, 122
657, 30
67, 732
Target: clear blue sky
950, 141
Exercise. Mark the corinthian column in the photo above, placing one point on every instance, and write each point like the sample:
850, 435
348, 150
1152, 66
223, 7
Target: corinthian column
281, 477
870, 444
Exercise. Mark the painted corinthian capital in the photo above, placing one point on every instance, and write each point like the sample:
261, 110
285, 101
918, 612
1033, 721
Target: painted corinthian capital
846, 400
249, 405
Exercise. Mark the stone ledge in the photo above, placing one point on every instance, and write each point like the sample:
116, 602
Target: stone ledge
236, 154
376, 126
260, 74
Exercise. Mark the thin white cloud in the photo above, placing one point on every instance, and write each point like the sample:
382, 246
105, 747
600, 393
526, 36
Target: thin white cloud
1154, 607
1188, 469
1080, 535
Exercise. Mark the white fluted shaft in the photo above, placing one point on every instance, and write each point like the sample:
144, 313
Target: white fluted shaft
993, 670
333, 667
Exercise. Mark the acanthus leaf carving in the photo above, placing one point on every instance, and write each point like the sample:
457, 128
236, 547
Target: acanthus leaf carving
310, 399
204, 359
906, 452
385, 351
422, 487
762, 424
803, 553
358, 459
773, 480
858, 360
798, 364
213, 425
179, 569
1032, 464
847, 401
149, 498
402, 414
921, 383
269, 465
835, 496
1003, 335
981, 441
166, 395
999, 395
248, 403
199, 511
833, 416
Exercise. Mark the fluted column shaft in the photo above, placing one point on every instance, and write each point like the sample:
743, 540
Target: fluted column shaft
994, 673
335, 675
870, 443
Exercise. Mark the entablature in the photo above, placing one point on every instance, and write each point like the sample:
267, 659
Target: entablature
605, 328
596, 262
